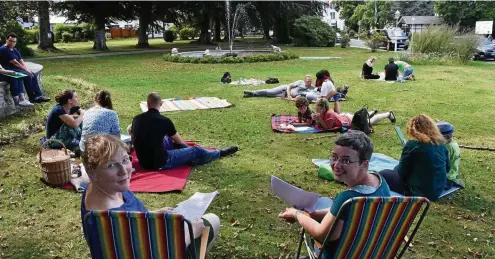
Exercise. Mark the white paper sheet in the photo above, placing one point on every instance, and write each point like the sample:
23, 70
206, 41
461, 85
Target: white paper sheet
195, 207
294, 196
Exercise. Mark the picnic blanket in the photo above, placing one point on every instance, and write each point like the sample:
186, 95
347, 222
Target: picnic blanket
197, 103
314, 101
379, 162
157, 181
279, 124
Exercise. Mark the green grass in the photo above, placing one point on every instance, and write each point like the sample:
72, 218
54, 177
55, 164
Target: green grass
42, 222
126, 44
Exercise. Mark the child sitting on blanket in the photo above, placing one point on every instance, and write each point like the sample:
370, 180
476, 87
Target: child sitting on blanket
453, 176
303, 112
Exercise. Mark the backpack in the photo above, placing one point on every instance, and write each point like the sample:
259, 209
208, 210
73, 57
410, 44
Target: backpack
361, 121
226, 78
272, 80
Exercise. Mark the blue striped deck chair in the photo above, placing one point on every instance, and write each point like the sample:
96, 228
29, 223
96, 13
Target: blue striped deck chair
143, 235
375, 227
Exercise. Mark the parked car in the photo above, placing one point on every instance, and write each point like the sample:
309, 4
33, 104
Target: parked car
338, 38
393, 35
485, 50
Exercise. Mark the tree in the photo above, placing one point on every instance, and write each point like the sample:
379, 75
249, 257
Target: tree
414, 8
100, 13
44, 23
347, 9
365, 14
465, 14
144, 12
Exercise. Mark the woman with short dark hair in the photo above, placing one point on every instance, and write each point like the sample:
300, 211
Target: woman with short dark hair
100, 119
64, 120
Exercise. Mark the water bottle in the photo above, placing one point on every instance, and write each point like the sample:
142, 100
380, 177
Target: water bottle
345, 127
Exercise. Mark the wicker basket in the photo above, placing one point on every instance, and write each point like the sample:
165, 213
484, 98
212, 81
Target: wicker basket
55, 164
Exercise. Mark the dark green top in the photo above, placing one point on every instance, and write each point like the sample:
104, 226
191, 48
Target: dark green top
424, 167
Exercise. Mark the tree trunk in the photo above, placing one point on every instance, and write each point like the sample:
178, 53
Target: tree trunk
282, 30
218, 29
144, 22
44, 22
100, 42
205, 36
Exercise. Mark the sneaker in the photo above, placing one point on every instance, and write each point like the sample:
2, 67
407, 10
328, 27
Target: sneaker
228, 151
16, 100
248, 94
25, 103
41, 99
392, 117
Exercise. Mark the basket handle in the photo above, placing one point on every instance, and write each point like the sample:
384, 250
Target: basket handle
52, 140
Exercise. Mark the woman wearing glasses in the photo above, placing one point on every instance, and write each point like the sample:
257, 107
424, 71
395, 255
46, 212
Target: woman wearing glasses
349, 161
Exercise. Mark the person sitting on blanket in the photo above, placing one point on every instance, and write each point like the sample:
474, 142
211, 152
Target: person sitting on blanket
424, 163
100, 119
453, 177
367, 71
109, 170
406, 69
349, 161
328, 119
64, 121
148, 132
290, 91
327, 89
16, 87
303, 112
391, 71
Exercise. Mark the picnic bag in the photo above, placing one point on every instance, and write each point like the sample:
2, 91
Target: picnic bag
272, 80
361, 121
226, 78
55, 164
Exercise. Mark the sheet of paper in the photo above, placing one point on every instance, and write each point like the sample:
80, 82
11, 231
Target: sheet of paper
195, 207
302, 128
294, 196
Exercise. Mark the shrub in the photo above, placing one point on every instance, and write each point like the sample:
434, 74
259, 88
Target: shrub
374, 41
174, 30
22, 37
168, 36
444, 43
187, 33
345, 41
66, 37
59, 29
352, 34
311, 31
33, 36
231, 60
88, 31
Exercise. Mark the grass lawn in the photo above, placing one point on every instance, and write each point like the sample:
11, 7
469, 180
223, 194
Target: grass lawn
126, 44
41, 222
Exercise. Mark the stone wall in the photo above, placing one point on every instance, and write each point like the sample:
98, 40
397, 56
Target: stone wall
7, 106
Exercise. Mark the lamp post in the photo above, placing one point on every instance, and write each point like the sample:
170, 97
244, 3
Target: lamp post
397, 16
412, 35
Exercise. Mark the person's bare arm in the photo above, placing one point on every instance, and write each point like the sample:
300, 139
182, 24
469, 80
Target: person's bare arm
21, 66
308, 122
336, 106
314, 228
70, 121
6, 72
177, 139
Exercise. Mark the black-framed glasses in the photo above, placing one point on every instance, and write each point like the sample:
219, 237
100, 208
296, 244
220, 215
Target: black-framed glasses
343, 161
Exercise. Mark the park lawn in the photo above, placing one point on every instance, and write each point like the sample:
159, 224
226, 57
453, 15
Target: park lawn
42, 222
129, 44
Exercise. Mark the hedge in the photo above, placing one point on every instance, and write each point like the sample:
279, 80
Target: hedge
224, 59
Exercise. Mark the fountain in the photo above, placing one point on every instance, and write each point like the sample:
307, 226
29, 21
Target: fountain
231, 26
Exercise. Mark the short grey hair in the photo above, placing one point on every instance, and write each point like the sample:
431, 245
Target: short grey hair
358, 141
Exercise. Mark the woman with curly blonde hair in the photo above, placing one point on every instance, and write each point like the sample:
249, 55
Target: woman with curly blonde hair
424, 163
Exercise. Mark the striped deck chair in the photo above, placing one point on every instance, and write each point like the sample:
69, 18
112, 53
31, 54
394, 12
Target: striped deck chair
124, 234
375, 227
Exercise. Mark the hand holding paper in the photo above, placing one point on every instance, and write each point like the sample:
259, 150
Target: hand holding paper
295, 197
195, 207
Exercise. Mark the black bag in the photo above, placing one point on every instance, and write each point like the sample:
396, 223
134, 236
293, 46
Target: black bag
272, 80
361, 121
226, 78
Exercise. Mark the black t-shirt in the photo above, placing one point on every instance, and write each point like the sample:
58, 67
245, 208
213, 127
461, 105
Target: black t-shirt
306, 116
367, 70
391, 71
148, 130
53, 122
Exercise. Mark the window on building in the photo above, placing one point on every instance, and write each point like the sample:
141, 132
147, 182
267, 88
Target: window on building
332, 15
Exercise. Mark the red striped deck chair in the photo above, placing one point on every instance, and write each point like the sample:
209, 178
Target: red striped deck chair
375, 227
125, 234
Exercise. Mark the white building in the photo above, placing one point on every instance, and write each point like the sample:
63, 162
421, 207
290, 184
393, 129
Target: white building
332, 17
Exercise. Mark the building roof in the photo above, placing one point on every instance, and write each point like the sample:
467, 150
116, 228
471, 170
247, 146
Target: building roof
421, 20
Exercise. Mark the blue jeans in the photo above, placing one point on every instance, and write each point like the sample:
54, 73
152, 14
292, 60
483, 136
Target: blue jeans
337, 96
31, 85
191, 156
407, 72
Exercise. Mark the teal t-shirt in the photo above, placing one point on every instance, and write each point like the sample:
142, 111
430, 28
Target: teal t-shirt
359, 191
455, 161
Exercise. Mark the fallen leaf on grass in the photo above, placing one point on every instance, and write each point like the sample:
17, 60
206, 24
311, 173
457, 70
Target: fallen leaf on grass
234, 222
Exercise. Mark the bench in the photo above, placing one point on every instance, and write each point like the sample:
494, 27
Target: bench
7, 106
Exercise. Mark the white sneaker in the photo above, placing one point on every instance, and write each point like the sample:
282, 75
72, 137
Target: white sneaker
25, 103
